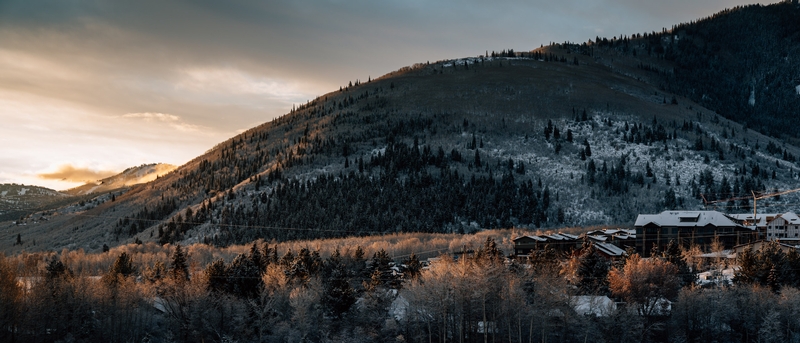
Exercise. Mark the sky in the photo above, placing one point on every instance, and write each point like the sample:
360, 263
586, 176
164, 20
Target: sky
89, 88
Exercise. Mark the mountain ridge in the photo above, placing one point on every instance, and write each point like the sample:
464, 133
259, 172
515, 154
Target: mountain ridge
568, 134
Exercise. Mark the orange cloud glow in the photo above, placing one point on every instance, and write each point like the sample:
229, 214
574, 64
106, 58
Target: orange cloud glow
70, 173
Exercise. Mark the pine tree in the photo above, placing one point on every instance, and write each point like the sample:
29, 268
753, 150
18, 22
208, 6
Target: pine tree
179, 269
122, 268
592, 271
587, 149
412, 267
244, 278
216, 277
339, 296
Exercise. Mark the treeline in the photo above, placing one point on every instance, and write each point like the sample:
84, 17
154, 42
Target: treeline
349, 296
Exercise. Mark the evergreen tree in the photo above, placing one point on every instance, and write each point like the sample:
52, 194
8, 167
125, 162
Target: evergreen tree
244, 278
587, 150
122, 268
179, 268
673, 254
412, 267
592, 271
216, 277
339, 296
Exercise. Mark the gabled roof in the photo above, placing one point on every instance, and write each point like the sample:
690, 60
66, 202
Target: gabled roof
598, 238
557, 237
791, 217
687, 219
535, 238
761, 219
609, 249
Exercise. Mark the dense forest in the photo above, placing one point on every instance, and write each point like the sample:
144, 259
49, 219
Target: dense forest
352, 295
741, 63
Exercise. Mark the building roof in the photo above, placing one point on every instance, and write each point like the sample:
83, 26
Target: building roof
597, 305
557, 237
761, 218
609, 249
535, 238
791, 217
598, 238
687, 219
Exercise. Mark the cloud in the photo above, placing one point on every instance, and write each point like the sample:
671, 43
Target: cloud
171, 120
150, 116
70, 173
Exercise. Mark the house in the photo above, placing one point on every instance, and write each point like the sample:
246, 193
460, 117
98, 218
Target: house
785, 228
524, 245
700, 228
759, 221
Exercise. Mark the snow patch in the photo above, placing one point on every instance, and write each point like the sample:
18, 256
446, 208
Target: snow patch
22, 191
2, 194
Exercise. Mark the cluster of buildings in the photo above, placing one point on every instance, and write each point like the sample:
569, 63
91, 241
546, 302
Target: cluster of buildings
706, 229
610, 243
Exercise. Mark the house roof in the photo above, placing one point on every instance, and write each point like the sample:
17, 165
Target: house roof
761, 218
535, 238
687, 219
609, 249
598, 238
791, 217
557, 237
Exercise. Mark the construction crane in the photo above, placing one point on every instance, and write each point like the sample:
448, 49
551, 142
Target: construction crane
755, 197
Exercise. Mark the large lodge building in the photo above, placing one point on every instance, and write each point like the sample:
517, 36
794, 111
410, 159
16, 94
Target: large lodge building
691, 228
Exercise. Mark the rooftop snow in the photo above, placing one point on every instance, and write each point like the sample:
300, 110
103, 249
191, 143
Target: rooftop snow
673, 219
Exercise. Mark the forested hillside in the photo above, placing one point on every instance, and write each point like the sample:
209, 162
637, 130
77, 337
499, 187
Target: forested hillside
742, 63
564, 135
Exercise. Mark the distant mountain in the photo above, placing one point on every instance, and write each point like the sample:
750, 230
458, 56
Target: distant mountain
563, 135
129, 177
19, 200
